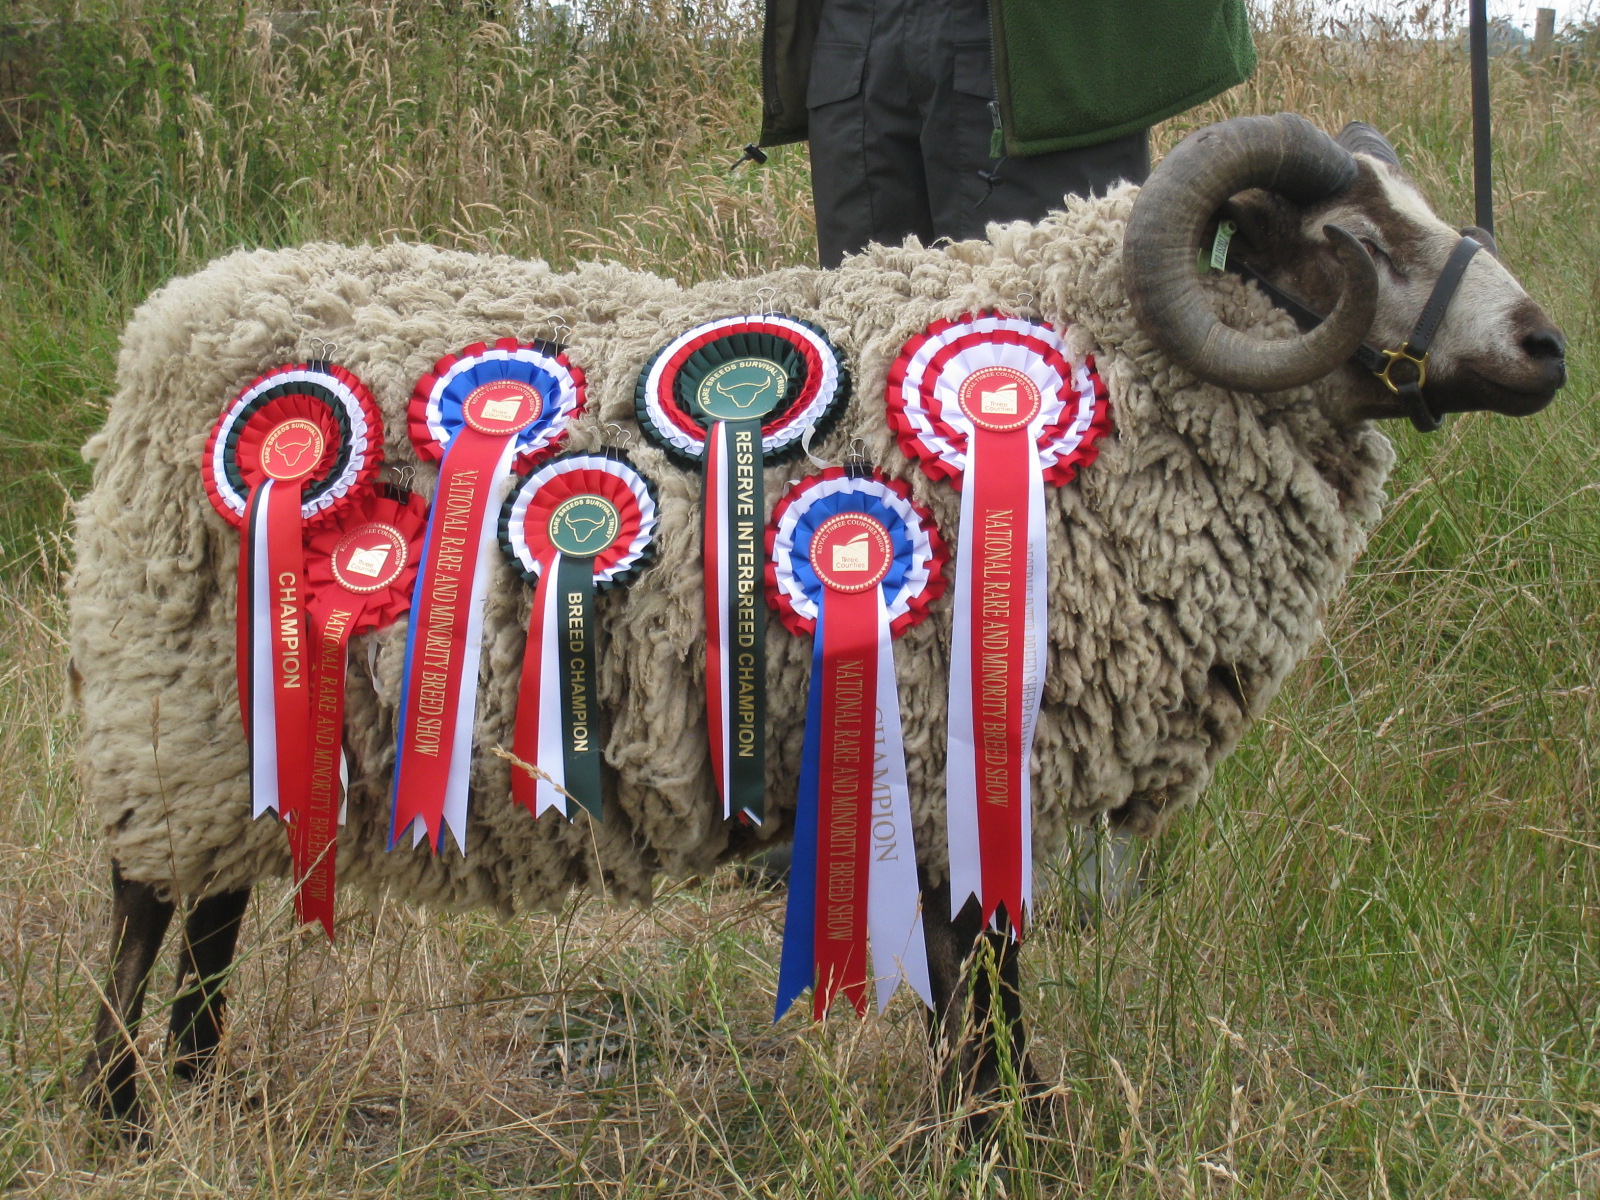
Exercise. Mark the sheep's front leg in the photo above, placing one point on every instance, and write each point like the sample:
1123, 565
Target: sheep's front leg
139, 919
982, 1044
209, 937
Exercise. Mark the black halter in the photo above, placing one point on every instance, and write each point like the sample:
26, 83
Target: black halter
1382, 363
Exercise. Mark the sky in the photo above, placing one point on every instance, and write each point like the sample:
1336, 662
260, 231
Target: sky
1518, 12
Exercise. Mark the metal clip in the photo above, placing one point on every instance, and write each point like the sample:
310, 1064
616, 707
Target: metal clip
768, 297
1021, 301
1403, 355
855, 459
616, 436
560, 333
401, 476
322, 350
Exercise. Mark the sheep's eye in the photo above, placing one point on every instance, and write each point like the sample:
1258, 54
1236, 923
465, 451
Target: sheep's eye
1376, 250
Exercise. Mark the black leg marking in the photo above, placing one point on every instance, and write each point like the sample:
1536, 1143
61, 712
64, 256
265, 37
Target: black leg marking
966, 966
209, 937
139, 921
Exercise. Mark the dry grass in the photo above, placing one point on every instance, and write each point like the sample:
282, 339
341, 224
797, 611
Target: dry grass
1366, 966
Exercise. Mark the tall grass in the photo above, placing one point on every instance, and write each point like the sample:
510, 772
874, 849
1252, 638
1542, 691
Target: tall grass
1365, 967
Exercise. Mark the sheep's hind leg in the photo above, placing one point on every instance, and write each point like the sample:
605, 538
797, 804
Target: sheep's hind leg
983, 1045
209, 937
139, 919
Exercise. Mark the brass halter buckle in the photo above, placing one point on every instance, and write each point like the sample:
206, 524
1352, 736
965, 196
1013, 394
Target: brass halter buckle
1401, 355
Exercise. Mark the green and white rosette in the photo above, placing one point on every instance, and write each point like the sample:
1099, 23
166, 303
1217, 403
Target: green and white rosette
732, 395
581, 523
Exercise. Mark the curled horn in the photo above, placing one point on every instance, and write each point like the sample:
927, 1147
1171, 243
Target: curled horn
1360, 138
1288, 156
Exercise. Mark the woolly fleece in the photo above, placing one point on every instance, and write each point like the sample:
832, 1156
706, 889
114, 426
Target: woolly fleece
1190, 564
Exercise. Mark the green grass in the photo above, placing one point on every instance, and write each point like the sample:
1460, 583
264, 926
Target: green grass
1365, 966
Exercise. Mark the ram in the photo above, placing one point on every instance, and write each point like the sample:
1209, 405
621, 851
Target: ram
1190, 564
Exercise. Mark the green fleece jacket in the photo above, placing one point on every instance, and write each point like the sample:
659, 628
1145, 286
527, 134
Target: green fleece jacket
1068, 73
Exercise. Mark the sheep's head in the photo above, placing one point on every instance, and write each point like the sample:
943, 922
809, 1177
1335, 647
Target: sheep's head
1337, 224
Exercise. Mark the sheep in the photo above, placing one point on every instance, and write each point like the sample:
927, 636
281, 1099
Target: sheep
1190, 565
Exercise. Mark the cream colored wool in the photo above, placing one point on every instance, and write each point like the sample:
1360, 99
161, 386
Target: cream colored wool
1201, 547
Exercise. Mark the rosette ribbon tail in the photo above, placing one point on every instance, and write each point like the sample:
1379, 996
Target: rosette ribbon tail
557, 724
445, 640
736, 701
276, 659
312, 846
996, 676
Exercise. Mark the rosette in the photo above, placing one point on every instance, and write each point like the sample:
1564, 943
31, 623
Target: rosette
579, 523
854, 561
733, 394
292, 448
996, 405
360, 567
478, 413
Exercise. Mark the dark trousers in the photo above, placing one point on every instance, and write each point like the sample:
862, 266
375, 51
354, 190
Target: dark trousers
903, 127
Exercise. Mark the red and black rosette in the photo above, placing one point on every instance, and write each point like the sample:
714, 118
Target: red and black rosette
361, 566
294, 446
578, 524
480, 414
732, 395
998, 406
854, 561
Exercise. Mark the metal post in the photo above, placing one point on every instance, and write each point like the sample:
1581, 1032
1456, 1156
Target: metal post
1482, 182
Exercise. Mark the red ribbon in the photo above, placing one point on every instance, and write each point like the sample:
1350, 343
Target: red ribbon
998, 470
333, 617
525, 735
844, 792
473, 465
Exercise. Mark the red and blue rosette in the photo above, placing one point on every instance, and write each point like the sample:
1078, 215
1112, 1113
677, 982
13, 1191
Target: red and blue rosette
293, 447
360, 568
479, 414
854, 561
998, 406
732, 395
580, 523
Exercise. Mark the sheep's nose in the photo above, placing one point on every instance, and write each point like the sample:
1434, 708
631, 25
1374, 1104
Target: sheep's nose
1545, 345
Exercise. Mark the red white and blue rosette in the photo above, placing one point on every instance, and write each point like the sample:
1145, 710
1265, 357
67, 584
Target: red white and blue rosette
580, 523
360, 568
733, 394
998, 406
293, 447
853, 561
480, 414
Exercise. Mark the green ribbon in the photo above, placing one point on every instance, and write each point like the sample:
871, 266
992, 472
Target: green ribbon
746, 620
580, 708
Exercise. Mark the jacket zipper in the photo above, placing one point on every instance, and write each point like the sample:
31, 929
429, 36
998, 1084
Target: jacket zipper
997, 136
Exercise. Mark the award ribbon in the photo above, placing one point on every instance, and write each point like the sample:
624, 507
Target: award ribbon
359, 572
578, 524
479, 414
854, 562
290, 450
995, 405
732, 395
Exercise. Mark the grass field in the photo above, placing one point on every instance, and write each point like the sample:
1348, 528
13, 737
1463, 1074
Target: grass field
1367, 965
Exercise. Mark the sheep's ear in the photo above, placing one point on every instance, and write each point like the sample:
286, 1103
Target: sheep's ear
1266, 224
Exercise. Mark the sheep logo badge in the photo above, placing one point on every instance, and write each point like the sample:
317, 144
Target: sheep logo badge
742, 388
999, 398
292, 450
502, 407
583, 526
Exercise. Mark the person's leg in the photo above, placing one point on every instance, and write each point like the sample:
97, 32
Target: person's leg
866, 156
968, 185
